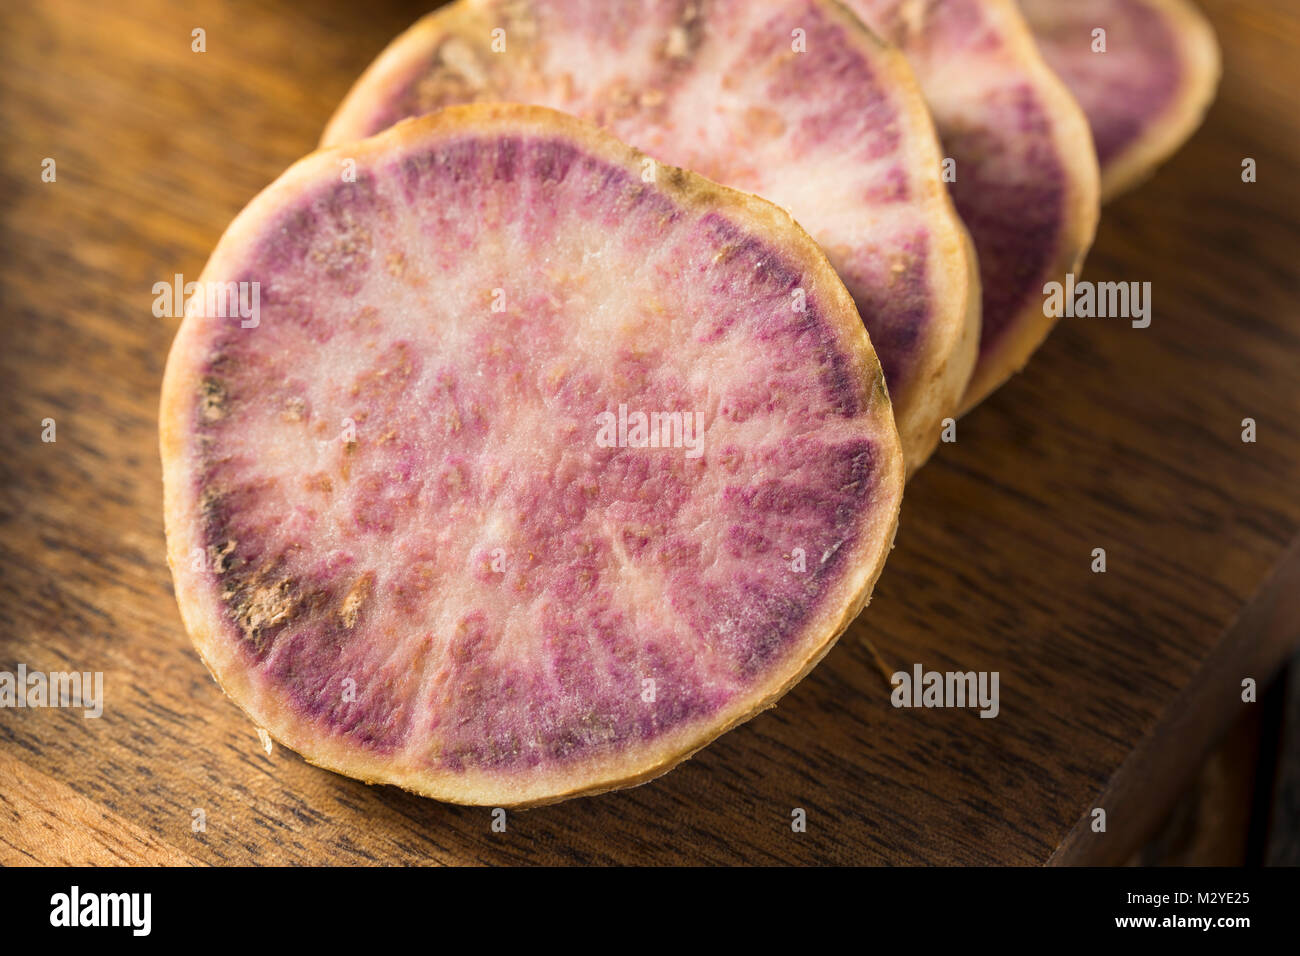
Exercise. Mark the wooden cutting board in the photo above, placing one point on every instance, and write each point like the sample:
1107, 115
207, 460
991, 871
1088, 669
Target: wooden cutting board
1112, 685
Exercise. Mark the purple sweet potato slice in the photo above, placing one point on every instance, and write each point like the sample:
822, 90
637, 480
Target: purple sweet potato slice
1148, 92
838, 135
1027, 178
417, 529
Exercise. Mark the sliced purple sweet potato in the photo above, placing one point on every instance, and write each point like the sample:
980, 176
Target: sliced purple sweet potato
538, 467
793, 100
1146, 91
1026, 174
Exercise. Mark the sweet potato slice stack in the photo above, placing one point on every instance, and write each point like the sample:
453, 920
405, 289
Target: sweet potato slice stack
542, 462
539, 466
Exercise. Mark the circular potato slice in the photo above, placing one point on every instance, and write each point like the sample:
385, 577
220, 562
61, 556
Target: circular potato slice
1147, 92
793, 100
534, 466
1026, 174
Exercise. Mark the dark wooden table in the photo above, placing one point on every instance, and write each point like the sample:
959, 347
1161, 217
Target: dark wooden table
1112, 685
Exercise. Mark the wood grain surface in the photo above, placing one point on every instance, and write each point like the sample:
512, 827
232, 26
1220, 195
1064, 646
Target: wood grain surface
1112, 685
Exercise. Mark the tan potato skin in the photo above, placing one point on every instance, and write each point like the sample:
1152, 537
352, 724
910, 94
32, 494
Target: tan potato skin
200, 606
